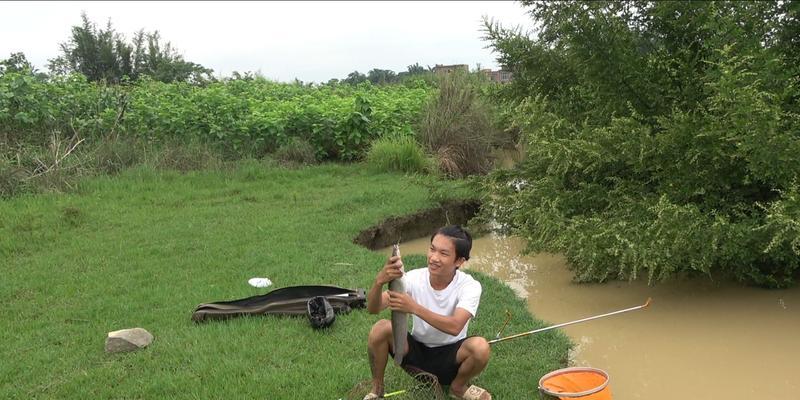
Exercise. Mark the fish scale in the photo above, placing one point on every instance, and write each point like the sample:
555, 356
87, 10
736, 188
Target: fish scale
399, 319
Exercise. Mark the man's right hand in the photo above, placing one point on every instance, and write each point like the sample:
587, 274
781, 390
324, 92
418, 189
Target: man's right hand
392, 270
376, 299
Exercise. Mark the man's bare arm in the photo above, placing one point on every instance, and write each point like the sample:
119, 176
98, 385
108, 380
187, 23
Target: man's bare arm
377, 300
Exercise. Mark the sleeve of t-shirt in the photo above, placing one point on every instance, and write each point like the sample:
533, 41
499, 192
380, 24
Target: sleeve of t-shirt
470, 296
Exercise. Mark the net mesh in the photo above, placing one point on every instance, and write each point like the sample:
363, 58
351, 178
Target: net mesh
576, 383
417, 385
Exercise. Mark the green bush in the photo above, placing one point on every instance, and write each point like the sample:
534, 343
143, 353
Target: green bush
661, 139
240, 118
398, 154
456, 127
32, 110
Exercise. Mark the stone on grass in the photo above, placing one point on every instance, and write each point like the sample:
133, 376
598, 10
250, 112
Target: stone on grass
127, 340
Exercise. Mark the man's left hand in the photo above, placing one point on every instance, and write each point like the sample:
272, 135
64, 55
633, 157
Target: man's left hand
402, 302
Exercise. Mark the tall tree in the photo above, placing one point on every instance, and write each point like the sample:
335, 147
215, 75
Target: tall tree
381, 76
104, 55
354, 78
416, 69
16, 62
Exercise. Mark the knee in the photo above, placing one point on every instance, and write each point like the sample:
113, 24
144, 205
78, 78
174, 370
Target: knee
480, 349
380, 332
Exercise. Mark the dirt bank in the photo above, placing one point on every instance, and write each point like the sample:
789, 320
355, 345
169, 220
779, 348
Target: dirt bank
419, 224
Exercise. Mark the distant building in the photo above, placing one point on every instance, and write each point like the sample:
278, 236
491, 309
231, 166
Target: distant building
446, 69
498, 76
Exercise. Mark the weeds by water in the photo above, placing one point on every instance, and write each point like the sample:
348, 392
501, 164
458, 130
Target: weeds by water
456, 127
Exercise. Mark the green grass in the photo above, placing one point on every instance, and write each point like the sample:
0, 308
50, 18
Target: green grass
143, 248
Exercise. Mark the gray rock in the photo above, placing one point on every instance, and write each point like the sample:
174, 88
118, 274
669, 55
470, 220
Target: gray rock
127, 340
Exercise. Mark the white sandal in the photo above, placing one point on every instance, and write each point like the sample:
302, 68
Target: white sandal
473, 393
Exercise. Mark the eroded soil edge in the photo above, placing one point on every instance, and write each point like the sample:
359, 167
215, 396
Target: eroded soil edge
416, 225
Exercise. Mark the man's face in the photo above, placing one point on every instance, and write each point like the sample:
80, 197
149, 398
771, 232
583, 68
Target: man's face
442, 260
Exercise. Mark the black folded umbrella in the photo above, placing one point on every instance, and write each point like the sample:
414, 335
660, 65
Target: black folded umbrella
292, 300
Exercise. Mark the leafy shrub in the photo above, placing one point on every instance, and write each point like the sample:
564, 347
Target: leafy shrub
644, 161
456, 127
296, 151
31, 110
357, 132
240, 118
398, 154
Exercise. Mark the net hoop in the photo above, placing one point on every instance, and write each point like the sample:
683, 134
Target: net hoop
570, 370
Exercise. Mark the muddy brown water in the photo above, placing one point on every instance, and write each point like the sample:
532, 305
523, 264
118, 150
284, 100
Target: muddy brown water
698, 340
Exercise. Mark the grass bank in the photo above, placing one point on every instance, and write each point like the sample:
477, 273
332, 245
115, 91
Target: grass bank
143, 248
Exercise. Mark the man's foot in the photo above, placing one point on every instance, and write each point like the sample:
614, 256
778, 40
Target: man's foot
472, 393
372, 396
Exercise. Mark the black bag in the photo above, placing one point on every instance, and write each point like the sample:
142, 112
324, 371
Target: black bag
292, 300
320, 312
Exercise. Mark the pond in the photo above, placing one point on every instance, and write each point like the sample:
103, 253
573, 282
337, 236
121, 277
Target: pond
699, 339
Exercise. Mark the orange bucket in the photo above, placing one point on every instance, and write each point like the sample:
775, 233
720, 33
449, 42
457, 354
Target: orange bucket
576, 383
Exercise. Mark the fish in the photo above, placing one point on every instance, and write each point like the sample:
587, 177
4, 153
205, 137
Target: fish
399, 319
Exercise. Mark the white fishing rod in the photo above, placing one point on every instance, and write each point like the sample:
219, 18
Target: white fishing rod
647, 303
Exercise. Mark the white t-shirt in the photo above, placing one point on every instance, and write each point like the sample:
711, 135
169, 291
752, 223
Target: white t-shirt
463, 292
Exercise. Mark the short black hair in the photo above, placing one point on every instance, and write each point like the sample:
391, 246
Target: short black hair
461, 238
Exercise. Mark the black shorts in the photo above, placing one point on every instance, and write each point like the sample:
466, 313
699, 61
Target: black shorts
440, 361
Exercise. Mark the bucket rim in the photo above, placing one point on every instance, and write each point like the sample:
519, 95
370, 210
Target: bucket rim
574, 369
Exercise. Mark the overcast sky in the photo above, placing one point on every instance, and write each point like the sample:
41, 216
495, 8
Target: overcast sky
311, 41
